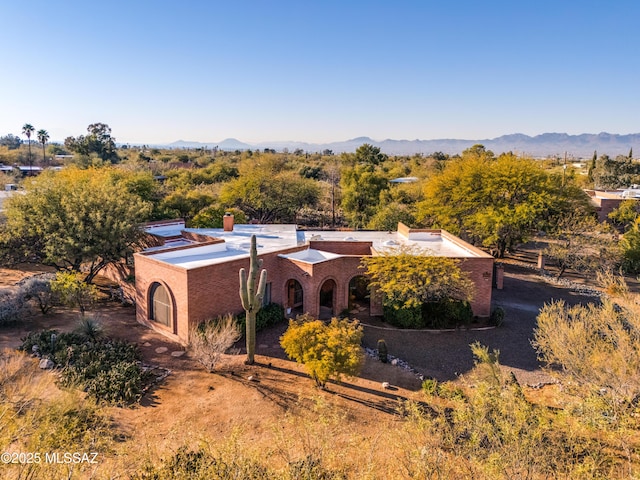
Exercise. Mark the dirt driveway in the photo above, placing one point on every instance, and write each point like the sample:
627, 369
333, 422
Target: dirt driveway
445, 355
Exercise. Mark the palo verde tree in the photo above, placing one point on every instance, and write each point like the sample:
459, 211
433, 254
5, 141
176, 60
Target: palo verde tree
418, 289
326, 350
409, 276
75, 220
496, 202
251, 296
268, 192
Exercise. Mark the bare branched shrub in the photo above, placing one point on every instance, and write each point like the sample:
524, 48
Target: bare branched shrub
212, 339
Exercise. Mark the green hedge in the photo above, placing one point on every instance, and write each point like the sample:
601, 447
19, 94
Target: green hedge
268, 315
445, 313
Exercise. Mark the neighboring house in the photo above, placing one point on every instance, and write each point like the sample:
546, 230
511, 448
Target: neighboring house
193, 275
607, 201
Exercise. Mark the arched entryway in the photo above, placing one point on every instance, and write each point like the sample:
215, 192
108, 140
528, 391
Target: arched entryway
160, 307
295, 297
359, 295
327, 299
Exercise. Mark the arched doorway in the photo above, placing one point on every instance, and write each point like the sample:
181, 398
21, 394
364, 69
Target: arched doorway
327, 299
358, 294
295, 297
160, 310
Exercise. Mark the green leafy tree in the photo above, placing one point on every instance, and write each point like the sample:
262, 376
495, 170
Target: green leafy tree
630, 248
270, 197
409, 277
212, 217
326, 350
74, 220
615, 173
368, 154
494, 202
12, 142
186, 203
361, 189
43, 138
98, 141
625, 215
28, 129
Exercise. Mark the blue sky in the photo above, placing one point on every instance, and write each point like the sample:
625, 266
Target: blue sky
320, 71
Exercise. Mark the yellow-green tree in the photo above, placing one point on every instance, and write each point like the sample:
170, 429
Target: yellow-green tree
496, 202
270, 195
326, 350
408, 277
77, 220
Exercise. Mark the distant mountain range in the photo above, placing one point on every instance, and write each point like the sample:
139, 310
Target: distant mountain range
544, 145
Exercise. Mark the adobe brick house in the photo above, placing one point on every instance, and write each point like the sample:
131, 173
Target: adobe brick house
193, 275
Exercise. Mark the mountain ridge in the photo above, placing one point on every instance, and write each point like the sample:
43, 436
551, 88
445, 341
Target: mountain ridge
543, 145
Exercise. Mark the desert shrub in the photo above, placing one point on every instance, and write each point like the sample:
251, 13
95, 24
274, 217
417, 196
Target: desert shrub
312, 468
202, 464
74, 292
37, 290
444, 313
90, 328
11, 307
403, 317
326, 350
596, 346
212, 339
108, 370
450, 391
270, 314
430, 386
51, 344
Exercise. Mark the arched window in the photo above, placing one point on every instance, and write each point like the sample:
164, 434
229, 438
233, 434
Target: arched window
160, 304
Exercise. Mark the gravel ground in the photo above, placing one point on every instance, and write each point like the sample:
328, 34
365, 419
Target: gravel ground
446, 354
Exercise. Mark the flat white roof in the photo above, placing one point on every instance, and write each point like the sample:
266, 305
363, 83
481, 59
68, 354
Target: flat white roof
274, 238
431, 242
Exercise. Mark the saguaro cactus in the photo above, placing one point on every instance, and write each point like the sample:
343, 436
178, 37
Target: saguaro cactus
252, 297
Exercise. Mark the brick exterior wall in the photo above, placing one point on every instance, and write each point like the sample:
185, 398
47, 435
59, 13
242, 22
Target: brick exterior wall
206, 292
342, 247
604, 206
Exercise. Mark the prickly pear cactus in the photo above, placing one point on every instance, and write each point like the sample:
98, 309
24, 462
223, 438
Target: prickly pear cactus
251, 296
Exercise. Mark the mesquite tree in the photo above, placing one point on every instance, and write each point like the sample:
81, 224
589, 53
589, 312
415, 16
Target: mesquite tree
252, 296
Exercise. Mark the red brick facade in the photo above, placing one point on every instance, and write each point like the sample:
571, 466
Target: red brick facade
202, 293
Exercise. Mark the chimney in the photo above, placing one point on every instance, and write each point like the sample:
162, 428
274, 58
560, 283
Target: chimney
227, 222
